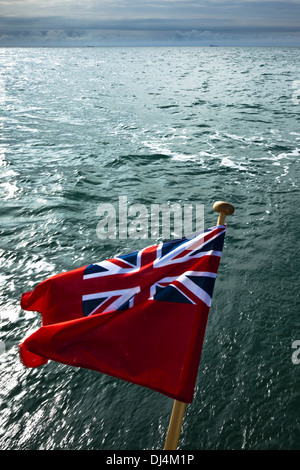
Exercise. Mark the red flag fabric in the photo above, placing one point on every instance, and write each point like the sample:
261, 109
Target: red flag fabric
140, 317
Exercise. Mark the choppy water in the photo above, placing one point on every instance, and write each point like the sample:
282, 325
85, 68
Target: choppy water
79, 127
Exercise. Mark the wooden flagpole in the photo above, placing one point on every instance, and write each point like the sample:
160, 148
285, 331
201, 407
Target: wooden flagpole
175, 425
224, 208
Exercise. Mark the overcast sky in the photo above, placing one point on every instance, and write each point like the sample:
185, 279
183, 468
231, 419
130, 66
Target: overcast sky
140, 22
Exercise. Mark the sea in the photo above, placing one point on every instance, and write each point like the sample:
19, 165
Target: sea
81, 127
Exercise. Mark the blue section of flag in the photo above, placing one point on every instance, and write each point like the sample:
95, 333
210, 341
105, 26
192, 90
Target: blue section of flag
88, 306
171, 245
171, 294
130, 258
214, 245
205, 283
94, 268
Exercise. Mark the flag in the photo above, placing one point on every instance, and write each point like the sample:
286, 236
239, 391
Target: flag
140, 317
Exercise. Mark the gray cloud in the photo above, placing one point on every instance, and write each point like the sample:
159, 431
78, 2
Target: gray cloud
53, 22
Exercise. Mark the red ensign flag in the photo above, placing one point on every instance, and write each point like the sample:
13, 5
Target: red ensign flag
140, 317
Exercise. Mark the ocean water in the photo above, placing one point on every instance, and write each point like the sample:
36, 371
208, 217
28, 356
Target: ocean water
80, 127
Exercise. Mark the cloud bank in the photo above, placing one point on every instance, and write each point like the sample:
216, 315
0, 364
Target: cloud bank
128, 22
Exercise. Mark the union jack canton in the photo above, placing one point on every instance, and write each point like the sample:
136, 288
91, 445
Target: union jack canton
182, 271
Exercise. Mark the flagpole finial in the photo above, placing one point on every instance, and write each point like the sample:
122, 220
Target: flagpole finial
224, 208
